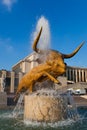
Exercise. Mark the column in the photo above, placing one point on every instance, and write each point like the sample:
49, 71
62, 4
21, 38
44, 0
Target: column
32, 61
73, 75
82, 75
12, 82
23, 66
76, 76
69, 74
3, 81
86, 75
20, 75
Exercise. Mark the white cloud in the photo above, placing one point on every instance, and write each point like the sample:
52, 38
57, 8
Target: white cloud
9, 3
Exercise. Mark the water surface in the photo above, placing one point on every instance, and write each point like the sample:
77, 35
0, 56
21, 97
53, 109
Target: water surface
7, 122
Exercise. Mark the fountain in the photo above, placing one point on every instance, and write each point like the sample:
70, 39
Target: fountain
42, 102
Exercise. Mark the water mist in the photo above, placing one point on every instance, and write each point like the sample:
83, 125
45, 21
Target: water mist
44, 42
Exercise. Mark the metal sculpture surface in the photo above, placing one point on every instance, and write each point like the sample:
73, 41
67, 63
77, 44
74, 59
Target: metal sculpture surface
51, 68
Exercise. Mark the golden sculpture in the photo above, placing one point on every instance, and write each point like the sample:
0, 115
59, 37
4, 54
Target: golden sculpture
51, 68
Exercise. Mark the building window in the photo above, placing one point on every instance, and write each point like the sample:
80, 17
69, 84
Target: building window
8, 80
84, 77
81, 75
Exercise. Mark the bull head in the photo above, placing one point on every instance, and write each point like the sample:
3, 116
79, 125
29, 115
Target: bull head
63, 55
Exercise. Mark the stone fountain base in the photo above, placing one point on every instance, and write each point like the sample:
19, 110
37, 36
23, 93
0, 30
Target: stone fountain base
45, 106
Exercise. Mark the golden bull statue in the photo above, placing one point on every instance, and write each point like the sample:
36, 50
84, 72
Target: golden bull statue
52, 67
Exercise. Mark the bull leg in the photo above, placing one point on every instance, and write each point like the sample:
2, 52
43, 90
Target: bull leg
30, 88
51, 77
38, 76
48, 75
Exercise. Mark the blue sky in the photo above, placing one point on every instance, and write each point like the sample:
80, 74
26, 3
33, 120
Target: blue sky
18, 18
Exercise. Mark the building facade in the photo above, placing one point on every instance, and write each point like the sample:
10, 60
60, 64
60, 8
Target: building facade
76, 74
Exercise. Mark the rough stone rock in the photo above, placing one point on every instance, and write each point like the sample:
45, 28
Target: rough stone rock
44, 107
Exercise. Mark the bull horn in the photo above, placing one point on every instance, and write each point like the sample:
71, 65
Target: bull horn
74, 52
34, 47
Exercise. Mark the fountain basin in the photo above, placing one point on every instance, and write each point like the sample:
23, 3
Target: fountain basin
44, 106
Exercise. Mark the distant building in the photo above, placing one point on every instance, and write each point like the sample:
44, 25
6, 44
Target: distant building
76, 74
26, 64
9, 79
